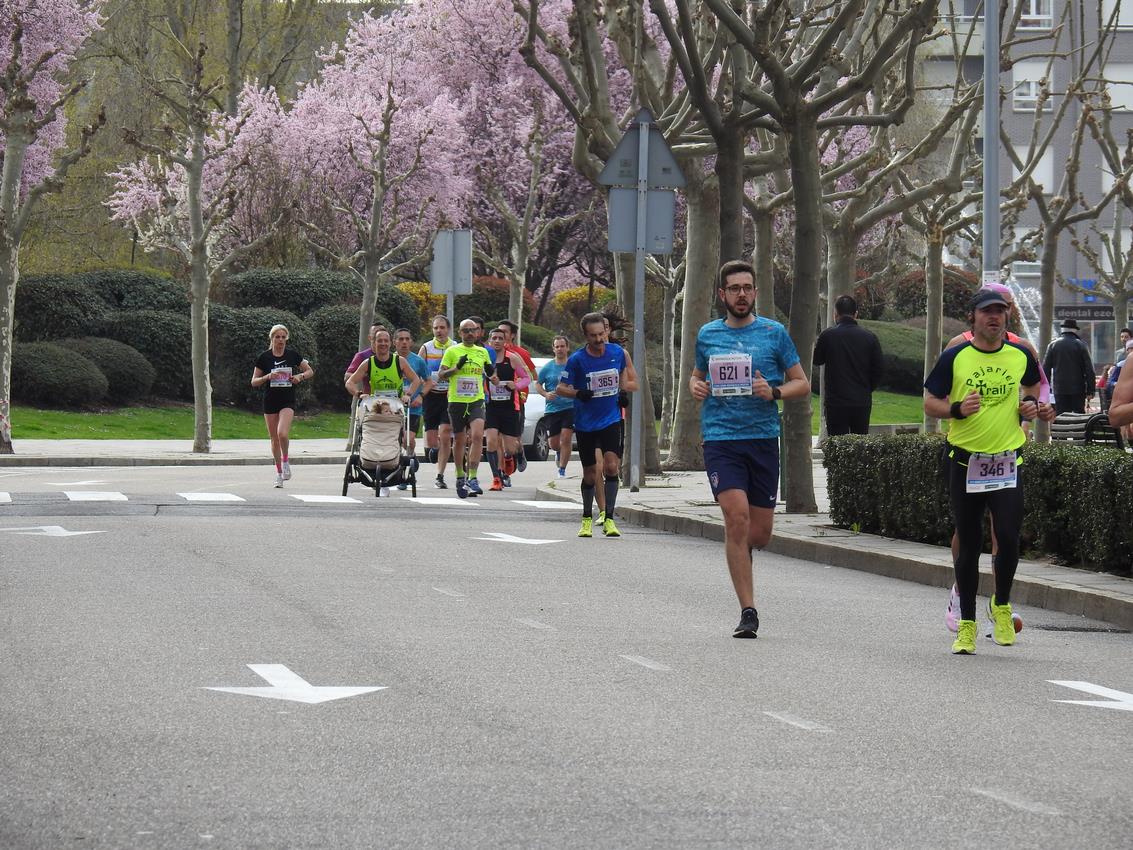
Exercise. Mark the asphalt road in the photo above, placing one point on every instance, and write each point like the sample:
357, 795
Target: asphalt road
576, 693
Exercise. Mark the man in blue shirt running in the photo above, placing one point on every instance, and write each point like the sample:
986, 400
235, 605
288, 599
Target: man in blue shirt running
744, 365
593, 377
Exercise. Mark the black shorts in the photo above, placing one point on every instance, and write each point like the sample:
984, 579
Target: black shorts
414, 423
275, 402
461, 414
436, 410
609, 439
504, 418
748, 465
555, 422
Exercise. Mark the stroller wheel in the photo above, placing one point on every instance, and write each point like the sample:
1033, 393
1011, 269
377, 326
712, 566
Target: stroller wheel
345, 486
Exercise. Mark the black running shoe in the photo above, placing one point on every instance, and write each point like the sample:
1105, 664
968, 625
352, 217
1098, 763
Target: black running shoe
749, 624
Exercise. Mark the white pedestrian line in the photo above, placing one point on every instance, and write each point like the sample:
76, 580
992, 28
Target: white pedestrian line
5, 497
535, 624
1023, 805
325, 500
73, 483
440, 500
1113, 699
287, 685
501, 537
646, 662
210, 497
94, 496
448, 591
548, 506
791, 720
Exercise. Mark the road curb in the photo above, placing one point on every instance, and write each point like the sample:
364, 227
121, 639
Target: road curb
1096, 603
161, 460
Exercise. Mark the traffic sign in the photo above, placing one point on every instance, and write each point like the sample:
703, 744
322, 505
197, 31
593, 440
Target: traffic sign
451, 269
623, 168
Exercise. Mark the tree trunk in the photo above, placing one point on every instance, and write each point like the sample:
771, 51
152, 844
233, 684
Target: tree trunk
667, 399
370, 280
730, 174
1120, 313
1047, 264
934, 308
805, 178
516, 281
199, 308
650, 450
763, 257
702, 262
9, 277
235, 80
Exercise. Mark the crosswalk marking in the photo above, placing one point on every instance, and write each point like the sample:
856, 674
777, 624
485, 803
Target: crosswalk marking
325, 500
210, 497
5, 497
94, 496
549, 506
439, 500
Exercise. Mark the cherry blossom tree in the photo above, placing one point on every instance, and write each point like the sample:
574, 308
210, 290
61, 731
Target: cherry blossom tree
38, 41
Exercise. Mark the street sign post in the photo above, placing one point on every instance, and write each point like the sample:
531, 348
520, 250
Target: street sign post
450, 273
641, 174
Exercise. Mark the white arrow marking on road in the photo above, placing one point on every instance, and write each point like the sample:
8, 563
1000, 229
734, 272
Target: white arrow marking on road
646, 662
210, 497
1122, 700
500, 537
1020, 803
285, 685
534, 624
798, 722
455, 594
550, 506
48, 531
94, 496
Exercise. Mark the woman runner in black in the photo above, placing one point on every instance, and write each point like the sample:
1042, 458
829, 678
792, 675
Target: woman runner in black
280, 369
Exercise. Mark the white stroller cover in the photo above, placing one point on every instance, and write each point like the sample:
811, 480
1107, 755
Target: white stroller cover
381, 434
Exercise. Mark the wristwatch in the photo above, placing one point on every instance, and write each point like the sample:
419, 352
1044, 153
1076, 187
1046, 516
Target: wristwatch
776, 393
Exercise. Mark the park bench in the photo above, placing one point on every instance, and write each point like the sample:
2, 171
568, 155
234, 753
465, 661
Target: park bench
1086, 429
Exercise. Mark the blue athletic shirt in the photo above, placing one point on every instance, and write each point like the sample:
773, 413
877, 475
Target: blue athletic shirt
601, 374
549, 379
772, 352
418, 365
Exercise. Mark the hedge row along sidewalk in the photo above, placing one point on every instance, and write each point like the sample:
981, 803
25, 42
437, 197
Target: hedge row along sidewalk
1078, 508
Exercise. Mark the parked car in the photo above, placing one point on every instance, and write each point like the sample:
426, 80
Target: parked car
536, 440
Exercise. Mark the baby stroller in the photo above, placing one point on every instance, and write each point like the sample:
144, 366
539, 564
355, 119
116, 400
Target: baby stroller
379, 454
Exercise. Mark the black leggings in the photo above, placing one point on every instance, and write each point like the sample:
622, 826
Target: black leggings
968, 509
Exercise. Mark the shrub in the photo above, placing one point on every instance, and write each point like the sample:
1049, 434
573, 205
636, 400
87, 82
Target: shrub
399, 309
128, 373
54, 307
165, 339
908, 293
428, 304
51, 375
336, 335
902, 350
295, 291
537, 340
489, 299
237, 336
570, 305
130, 289
1078, 503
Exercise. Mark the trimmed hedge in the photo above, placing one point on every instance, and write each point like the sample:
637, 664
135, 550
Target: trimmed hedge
55, 306
237, 336
130, 289
53, 376
1078, 503
538, 340
165, 339
336, 335
400, 310
295, 291
902, 350
128, 373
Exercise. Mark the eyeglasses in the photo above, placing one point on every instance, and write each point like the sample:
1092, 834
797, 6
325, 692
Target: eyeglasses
739, 290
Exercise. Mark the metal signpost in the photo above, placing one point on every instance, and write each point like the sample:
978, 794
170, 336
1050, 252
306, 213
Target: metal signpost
451, 270
991, 234
642, 174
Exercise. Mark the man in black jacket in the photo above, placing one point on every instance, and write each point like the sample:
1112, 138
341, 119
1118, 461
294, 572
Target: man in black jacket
852, 357
1068, 363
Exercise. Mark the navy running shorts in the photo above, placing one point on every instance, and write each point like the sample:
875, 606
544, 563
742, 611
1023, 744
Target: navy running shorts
748, 465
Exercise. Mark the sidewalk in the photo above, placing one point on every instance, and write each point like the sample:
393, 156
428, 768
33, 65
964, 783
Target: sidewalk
679, 502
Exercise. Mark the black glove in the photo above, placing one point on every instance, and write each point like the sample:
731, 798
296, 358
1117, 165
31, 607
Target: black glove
460, 363
623, 399
489, 369
584, 395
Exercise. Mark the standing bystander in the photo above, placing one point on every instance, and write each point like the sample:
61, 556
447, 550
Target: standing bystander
1071, 371
852, 357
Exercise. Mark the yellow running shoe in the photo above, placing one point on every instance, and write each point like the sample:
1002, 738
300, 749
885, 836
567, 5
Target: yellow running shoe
587, 529
965, 643
601, 517
609, 529
1003, 630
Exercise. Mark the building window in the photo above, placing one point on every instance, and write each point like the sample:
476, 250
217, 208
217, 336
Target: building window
1124, 13
1119, 84
1043, 172
1028, 76
1036, 15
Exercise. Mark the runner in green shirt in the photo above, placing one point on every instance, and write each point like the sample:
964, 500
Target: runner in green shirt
465, 366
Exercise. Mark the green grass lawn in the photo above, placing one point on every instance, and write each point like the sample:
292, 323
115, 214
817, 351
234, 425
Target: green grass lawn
176, 422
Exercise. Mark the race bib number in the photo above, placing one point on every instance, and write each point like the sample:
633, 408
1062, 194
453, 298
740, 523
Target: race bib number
499, 392
604, 383
730, 374
280, 376
467, 387
439, 386
991, 472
